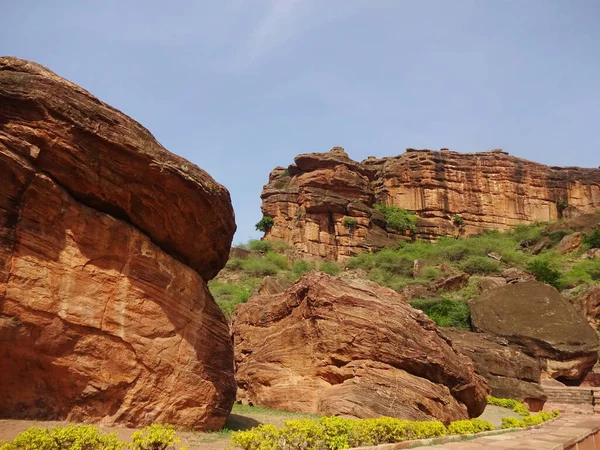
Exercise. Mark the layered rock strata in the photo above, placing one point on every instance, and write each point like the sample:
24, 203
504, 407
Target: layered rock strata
107, 242
323, 203
509, 372
352, 348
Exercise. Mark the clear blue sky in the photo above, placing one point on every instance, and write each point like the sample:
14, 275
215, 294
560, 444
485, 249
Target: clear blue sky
241, 86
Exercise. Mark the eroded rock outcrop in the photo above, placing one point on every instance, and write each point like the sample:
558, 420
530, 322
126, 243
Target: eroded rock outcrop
107, 241
353, 348
535, 318
509, 372
323, 203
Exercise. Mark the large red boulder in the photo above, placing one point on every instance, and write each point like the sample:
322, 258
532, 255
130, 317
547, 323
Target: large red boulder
107, 242
354, 348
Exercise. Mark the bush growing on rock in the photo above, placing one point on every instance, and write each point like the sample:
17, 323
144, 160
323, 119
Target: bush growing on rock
592, 240
543, 271
301, 267
397, 218
480, 265
264, 224
259, 245
445, 312
330, 268
350, 223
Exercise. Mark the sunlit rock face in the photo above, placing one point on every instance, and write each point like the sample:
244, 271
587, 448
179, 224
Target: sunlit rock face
107, 242
335, 347
311, 199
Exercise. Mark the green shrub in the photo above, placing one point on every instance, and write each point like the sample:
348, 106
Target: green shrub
270, 264
350, 223
264, 224
73, 437
228, 294
301, 267
469, 426
544, 272
516, 406
33, 438
335, 433
445, 312
528, 421
558, 235
511, 422
458, 220
592, 240
480, 265
234, 264
561, 205
155, 437
397, 218
259, 245
262, 437
582, 272
430, 273
329, 268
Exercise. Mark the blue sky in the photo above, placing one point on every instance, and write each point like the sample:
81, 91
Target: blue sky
241, 86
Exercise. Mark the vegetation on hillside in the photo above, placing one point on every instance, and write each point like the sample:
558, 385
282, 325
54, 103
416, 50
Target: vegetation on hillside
397, 218
394, 267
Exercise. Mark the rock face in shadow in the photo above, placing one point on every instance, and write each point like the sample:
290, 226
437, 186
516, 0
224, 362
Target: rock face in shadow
107, 241
509, 372
588, 302
352, 348
538, 320
322, 204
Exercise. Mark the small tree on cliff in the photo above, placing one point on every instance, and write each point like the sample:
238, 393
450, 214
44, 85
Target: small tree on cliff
561, 205
350, 223
265, 224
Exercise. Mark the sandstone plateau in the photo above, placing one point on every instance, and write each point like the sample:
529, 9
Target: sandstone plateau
107, 242
490, 190
352, 348
536, 319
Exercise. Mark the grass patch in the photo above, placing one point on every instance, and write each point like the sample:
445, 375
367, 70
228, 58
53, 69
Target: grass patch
445, 311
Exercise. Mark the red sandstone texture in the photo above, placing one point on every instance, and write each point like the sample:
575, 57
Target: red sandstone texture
107, 242
353, 348
490, 190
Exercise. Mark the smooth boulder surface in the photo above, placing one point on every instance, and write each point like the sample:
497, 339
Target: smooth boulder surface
353, 348
542, 323
509, 372
107, 241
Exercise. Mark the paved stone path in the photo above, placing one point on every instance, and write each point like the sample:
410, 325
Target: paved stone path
560, 434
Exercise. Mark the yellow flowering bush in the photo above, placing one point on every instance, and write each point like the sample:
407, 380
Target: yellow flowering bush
516, 406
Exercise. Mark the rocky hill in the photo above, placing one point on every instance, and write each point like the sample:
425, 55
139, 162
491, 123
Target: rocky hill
323, 204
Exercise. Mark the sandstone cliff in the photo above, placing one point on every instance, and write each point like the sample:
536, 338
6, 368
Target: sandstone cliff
490, 190
107, 241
